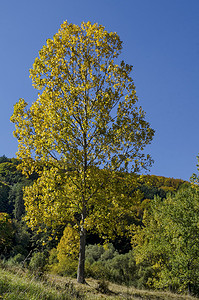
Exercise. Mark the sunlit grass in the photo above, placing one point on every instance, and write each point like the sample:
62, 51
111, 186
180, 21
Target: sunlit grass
27, 287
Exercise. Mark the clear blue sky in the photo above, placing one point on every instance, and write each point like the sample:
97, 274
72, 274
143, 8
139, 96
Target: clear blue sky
160, 39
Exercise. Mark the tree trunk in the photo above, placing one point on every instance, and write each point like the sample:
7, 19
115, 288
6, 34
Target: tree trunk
189, 288
81, 265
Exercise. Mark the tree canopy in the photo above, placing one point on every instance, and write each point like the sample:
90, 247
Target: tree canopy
169, 240
84, 126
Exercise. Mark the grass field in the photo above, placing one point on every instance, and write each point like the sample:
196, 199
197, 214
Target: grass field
17, 284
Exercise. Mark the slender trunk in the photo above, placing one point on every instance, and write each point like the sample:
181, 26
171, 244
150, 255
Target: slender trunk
82, 247
81, 264
189, 288
189, 283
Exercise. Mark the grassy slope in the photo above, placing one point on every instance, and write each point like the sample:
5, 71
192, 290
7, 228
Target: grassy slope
20, 285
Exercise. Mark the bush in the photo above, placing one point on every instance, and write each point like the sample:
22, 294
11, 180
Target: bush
107, 263
16, 260
21, 243
93, 253
96, 259
96, 270
52, 259
66, 267
145, 273
122, 268
109, 252
38, 262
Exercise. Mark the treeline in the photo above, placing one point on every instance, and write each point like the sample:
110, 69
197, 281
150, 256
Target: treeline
159, 250
12, 183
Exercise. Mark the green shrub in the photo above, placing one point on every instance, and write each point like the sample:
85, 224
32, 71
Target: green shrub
52, 259
122, 268
97, 270
65, 267
107, 263
109, 252
16, 260
144, 275
38, 262
93, 253
21, 239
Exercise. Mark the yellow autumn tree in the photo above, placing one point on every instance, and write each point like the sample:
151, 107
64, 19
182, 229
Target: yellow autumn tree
68, 245
83, 127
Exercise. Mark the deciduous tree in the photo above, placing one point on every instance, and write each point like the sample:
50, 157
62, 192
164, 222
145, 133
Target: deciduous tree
169, 240
84, 125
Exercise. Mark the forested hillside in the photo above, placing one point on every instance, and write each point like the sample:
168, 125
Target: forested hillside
12, 182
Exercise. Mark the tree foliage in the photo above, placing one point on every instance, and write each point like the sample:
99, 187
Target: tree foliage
4, 196
11, 187
6, 233
169, 240
69, 244
63, 260
85, 119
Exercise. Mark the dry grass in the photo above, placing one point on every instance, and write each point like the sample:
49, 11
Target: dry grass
18, 285
117, 292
